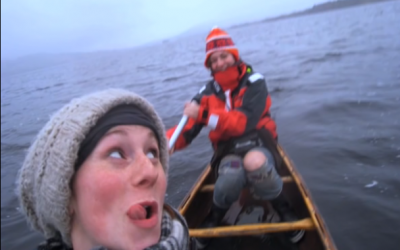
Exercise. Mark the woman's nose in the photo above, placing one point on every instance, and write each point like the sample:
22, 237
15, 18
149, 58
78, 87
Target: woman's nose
220, 63
144, 172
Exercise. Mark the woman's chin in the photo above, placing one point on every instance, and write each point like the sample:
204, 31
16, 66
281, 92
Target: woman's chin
141, 238
143, 242
132, 243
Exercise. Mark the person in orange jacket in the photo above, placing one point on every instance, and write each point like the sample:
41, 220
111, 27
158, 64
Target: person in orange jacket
235, 105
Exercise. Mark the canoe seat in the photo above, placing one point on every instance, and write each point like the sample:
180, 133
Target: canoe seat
209, 188
253, 229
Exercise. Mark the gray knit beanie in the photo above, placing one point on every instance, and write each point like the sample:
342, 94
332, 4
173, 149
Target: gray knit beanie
43, 182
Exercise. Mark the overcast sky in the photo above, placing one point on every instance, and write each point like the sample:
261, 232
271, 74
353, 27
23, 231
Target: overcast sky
57, 26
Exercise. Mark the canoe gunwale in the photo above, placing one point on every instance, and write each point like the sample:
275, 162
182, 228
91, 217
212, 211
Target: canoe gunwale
195, 189
313, 210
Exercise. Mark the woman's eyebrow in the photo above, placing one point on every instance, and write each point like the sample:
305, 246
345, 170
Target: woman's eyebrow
152, 136
121, 132
116, 132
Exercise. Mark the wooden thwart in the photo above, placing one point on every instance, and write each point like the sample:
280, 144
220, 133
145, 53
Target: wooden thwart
255, 229
209, 188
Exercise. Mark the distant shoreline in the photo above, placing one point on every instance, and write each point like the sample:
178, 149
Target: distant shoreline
318, 8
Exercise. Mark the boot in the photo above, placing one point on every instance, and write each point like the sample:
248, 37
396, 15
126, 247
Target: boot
212, 220
287, 214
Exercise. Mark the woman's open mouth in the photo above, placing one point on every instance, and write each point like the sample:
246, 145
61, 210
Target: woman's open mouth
144, 214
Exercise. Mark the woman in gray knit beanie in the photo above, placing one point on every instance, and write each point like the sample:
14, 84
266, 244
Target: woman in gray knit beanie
96, 176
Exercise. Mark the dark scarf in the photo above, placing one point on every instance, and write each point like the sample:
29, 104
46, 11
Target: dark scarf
174, 235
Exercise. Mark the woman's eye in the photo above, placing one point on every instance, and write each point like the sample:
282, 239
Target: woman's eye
116, 154
152, 154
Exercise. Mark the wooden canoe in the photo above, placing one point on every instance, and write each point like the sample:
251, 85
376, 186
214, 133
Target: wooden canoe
253, 224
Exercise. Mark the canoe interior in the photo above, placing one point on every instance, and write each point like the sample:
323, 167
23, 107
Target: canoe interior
248, 211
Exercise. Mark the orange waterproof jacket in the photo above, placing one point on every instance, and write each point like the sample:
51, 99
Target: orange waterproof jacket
230, 115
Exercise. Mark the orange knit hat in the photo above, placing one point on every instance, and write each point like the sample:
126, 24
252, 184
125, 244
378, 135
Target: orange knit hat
218, 40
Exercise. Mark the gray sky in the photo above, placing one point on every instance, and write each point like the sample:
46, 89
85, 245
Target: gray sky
58, 26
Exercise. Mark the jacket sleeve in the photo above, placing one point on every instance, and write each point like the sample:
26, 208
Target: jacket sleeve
191, 129
242, 119
189, 133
